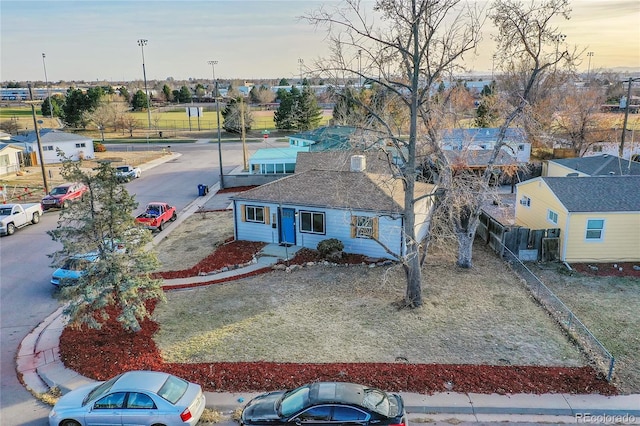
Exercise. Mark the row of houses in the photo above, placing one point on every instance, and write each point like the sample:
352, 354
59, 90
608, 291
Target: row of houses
592, 203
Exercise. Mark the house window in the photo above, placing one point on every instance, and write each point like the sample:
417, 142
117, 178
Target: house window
521, 147
254, 214
47, 148
594, 229
312, 222
364, 227
525, 201
81, 145
4, 160
552, 217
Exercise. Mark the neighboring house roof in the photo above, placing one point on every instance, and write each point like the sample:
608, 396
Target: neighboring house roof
597, 194
272, 154
49, 136
328, 138
360, 191
479, 157
376, 161
4, 135
481, 135
6, 145
600, 165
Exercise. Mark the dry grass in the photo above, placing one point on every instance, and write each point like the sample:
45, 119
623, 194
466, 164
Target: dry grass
608, 306
195, 238
337, 314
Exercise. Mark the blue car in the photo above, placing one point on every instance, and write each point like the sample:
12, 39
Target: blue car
72, 269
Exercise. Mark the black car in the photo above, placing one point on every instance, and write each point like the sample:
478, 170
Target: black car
330, 403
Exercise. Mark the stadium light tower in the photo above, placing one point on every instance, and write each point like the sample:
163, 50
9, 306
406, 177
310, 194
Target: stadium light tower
142, 43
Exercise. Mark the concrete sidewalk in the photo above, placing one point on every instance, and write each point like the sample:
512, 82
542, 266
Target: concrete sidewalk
39, 367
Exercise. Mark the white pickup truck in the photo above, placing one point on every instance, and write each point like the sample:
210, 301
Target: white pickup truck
14, 216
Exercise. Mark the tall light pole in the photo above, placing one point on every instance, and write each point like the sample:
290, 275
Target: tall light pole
142, 43
558, 38
300, 63
589, 55
46, 81
215, 82
360, 68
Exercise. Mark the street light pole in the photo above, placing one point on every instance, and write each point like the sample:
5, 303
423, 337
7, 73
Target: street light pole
213, 69
558, 38
46, 81
360, 68
589, 55
39, 141
300, 62
142, 43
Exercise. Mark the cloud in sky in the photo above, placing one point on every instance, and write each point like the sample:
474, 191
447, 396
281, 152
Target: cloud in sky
97, 40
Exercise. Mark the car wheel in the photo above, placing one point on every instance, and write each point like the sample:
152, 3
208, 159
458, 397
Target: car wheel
36, 218
69, 423
160, 226
174, 217
11, 229
65, 204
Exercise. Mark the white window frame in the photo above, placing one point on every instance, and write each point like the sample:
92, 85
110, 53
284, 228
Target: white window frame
253, 217
313, 214
81, 145
600, 230
552, 216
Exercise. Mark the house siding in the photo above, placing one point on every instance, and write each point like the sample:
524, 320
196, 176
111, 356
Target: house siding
557, 170
542, 200
620, 238
337, 225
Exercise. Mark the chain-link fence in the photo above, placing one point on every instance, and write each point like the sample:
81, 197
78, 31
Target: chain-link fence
595, 350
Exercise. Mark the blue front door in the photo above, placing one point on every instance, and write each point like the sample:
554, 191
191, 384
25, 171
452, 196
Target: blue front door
287, 226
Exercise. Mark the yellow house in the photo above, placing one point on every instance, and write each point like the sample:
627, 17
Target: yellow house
596, 165
598, 217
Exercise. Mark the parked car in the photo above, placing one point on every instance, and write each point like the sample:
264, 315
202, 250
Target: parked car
156, 215
62, 195
127, 173
134, 397
76, 266
326, 403
14, 216
72, 269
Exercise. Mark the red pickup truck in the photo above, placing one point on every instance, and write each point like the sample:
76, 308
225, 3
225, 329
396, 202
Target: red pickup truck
156, 215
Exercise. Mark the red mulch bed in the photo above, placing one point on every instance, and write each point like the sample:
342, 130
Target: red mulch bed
608, 269
101, 354
236, 189
229, 255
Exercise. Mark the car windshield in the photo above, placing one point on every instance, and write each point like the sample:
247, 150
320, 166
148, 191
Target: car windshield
60, 190
76, 264
122, 168
100, 390
5, 211
294, 401
173, 389
377, 401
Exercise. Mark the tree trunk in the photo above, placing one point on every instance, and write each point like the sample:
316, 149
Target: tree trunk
465, 249
413, 272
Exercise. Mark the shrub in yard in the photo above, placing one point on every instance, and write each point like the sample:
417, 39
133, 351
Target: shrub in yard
99, 147
330, 248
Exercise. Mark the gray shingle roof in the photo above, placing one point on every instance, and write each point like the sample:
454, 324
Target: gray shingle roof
336, 189
377, 161
597, 194
479, 157
49, 136
601, 165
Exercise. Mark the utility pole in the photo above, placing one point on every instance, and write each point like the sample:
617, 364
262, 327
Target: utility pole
213, 68
626, 115
46, 81
35, 126
244, 142
300, 62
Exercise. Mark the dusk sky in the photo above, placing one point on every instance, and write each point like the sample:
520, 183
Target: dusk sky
97, 40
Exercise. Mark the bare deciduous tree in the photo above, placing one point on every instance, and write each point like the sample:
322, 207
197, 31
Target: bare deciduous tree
406, 52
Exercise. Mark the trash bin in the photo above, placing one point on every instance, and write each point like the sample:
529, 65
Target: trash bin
160, 134
202, 190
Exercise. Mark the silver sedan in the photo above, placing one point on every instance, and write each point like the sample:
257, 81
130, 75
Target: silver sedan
131, 398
